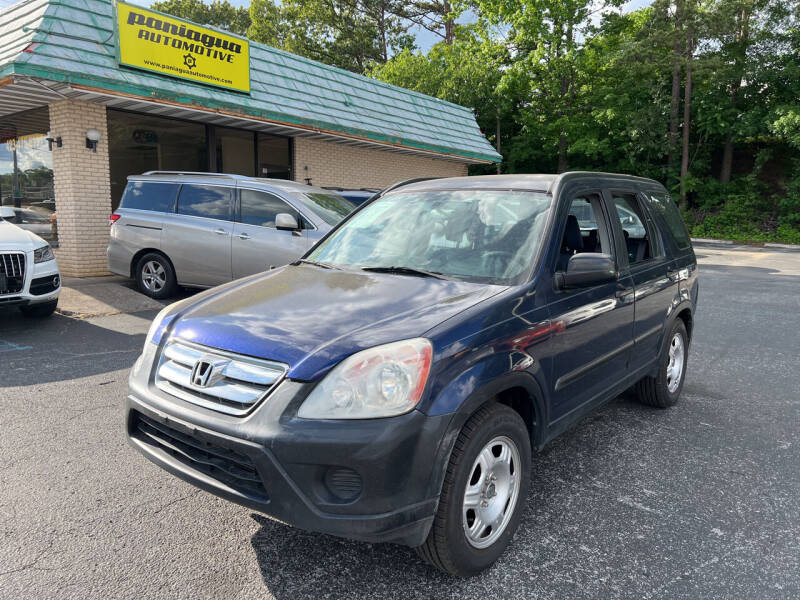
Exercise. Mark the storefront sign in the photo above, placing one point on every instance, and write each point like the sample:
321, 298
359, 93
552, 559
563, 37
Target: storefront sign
156, 42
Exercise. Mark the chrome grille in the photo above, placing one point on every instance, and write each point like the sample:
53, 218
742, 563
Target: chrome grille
214, 379
12, 272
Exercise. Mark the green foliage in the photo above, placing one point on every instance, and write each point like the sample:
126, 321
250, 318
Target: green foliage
219, 13
575, 93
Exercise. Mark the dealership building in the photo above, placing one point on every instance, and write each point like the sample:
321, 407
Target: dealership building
92, 91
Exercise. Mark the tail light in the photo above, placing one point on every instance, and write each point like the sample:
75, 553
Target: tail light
113, 218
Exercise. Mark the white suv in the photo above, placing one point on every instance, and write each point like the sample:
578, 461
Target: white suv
29, 276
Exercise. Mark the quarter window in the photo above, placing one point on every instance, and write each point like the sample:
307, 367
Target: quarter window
149, 195
665, 206
212, 202
260, 208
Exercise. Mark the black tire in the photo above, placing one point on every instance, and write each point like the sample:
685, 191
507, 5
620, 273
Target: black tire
655, 391
447, 547
40, 311
147, 286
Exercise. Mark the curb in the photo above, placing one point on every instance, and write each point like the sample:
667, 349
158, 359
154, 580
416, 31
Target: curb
794, 247
710, 241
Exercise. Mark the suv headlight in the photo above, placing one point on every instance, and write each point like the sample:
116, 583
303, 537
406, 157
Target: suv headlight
383, 381
43, 254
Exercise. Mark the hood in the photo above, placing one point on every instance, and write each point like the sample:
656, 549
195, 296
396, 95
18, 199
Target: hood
311, 317
15, 238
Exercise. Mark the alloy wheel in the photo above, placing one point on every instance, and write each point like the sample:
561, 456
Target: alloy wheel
677, 358
492, 492
154, 276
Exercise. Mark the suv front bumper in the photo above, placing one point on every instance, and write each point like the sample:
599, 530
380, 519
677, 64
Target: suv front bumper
375, 480
42, 284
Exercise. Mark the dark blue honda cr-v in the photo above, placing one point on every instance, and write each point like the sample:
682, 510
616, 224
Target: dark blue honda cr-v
391, 385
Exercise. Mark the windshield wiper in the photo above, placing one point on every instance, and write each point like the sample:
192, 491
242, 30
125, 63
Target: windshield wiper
405, 271
318, 264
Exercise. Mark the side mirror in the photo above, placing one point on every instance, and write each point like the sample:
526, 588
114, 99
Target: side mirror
286, 221
7, 212
587, 269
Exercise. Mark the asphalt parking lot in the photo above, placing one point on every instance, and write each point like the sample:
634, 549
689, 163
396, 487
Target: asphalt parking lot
699, 501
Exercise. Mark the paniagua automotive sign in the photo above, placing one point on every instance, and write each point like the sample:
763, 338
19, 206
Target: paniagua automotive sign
157, 42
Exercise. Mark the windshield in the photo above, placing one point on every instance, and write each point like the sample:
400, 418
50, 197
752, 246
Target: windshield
476, 235
331, 208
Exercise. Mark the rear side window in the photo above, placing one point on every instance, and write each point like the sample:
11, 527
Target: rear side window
210, 201
260, 208
665, 207
150, 195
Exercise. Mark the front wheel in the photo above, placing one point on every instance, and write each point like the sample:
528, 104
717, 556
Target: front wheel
483, 494
663, 390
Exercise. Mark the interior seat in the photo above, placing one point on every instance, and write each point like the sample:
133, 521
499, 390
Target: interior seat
572, 243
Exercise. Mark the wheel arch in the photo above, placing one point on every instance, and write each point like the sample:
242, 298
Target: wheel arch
685, 314
519, 391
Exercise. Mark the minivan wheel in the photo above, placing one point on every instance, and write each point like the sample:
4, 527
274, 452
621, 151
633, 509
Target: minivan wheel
483, 494
663, 390
155, 276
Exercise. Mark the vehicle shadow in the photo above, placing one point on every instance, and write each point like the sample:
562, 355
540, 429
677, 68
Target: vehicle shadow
296, 564
60, 348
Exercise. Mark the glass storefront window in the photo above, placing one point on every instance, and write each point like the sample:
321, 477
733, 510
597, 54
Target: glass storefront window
235, 151
139, 143
26, 171
273, 157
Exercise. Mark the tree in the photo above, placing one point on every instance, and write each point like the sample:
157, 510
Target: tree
219, 13
465, 72
266, 23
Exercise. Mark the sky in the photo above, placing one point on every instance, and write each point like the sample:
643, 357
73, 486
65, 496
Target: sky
425, 39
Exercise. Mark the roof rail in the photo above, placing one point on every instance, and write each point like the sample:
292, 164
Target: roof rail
197, 174
407, 182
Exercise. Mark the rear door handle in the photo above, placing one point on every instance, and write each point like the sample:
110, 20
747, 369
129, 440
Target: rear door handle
220, 231
244, 236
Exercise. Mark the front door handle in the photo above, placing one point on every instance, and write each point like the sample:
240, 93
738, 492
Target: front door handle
220, 231
244, 236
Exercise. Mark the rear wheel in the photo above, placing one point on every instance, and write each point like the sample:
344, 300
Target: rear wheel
663, 390
155, 276
41, 310
483, 494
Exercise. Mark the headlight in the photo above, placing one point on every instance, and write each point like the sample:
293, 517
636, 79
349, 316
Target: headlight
43, 254
383, 381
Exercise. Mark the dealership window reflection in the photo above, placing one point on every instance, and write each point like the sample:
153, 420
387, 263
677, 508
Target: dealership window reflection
26, 171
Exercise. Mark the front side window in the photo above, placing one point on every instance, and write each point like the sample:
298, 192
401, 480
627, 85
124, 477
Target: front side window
150, 195
584, 230
477, 235
260, 208
210, 201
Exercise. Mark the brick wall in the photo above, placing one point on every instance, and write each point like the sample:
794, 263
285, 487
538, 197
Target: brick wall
82, 187
335, 164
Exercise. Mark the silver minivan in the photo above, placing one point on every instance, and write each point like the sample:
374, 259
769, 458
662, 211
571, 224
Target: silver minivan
204, 229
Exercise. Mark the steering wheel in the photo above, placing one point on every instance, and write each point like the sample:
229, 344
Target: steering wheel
492, 259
